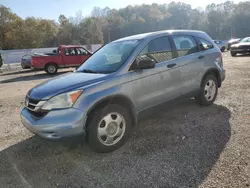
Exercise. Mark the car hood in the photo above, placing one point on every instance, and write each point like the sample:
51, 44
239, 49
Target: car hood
63, 84
241, 44
234, 40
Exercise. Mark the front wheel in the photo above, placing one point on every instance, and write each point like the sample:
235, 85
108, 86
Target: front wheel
233, 54
209, 90
108, 128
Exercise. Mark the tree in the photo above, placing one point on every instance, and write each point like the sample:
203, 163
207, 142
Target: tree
65, 30
8, 22
63, 20
97, 12
92, 28
220, 21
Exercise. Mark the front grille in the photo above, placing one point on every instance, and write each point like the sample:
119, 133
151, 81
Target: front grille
35, 107
38, 114
33, 101
245, 47
240, 47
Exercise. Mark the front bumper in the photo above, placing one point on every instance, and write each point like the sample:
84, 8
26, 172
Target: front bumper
240, 50
26, 64
56, 124
222, 75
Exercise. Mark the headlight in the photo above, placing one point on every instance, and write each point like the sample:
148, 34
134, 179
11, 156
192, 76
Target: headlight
65, 100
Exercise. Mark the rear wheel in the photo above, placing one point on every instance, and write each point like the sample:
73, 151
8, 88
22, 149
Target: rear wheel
233, 54
51, 69
108, 128
209, 90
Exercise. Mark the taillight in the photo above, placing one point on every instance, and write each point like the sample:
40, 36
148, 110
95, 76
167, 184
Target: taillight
32, 61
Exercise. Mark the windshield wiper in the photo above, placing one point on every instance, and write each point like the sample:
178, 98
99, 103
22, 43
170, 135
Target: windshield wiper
88, 71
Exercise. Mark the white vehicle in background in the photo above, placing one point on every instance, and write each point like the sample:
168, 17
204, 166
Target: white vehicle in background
232, 42
223, 45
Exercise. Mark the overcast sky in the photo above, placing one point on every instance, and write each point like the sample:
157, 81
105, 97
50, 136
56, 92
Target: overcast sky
51, 9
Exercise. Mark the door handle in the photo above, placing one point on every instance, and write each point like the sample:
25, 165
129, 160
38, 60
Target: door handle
201, 56
171, 65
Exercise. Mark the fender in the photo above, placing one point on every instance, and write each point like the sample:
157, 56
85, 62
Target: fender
215, 72
117, 99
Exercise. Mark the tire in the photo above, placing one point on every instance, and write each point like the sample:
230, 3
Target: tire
223, 49
100, 133
203, 97
233, 54
23, 67
51, 68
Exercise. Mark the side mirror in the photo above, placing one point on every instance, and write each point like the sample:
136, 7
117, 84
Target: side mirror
145, 64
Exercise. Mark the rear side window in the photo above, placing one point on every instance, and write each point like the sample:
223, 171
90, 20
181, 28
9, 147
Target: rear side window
159, 49
204, 45
185, 45
81, 51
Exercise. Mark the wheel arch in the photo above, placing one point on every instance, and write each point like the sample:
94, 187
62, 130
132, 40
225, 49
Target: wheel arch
214, 72
50, 63
115, 99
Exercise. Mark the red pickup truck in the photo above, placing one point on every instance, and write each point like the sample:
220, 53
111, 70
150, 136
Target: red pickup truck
65, 56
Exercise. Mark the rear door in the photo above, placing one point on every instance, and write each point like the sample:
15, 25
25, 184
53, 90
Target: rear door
191, 62
157, 85
82, 55
70, 57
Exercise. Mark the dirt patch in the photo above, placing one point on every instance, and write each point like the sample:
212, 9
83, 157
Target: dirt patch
182, 146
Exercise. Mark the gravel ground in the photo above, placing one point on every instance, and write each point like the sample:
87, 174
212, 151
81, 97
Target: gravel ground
176, 146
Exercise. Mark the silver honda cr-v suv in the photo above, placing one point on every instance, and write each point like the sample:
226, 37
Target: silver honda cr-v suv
104, 96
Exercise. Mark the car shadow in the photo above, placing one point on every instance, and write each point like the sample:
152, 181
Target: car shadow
17, 72
172, 147
31, 77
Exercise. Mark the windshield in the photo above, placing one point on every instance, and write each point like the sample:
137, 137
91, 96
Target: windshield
26, 57
246, 39
109, 58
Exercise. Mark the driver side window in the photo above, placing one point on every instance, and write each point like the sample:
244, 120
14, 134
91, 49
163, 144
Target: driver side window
158, 49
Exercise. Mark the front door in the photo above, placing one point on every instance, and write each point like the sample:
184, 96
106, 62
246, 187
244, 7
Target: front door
70, 57
82, 55
157, 85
